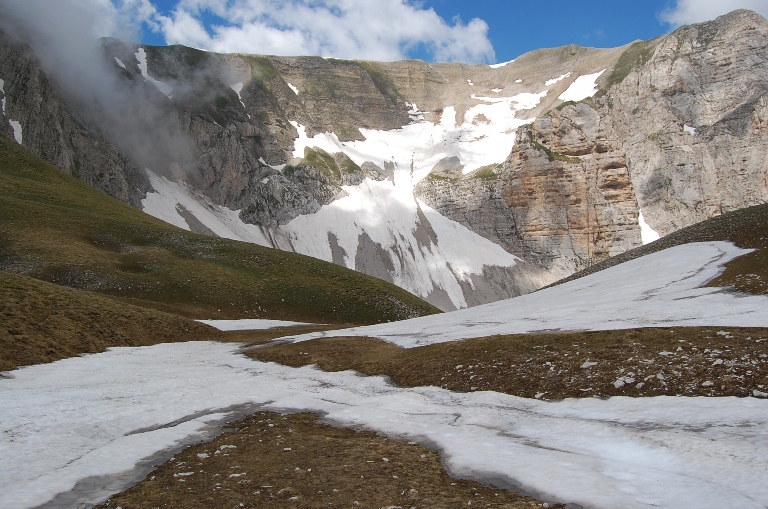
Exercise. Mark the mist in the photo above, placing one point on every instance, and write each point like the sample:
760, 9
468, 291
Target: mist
136, 117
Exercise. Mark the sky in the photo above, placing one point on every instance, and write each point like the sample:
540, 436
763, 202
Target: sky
479, 31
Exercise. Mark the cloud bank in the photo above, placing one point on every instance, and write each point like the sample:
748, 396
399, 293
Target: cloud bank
383, 30
684, 12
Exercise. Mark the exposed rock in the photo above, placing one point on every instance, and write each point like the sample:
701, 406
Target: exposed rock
692, 117
561, 200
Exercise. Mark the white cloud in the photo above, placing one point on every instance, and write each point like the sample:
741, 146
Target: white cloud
695, 11
381, 30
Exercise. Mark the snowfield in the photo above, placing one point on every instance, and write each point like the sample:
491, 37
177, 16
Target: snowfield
662, 289
97, 417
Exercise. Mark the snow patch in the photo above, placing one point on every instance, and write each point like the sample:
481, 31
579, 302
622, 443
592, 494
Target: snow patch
496, 90
2, 101
414, 113
518, 81
249, 324
502, 64
141, 58
295, 90
169, 197
238, 87
647, 234
619, 452
662, 289
17, 133
120, 62
551, 82
581, 88
688, 129
469, 82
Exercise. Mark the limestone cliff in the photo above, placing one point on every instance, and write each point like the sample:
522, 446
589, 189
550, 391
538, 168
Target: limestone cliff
561, 200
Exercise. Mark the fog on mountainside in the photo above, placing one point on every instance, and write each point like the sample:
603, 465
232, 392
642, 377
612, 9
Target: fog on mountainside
63, 36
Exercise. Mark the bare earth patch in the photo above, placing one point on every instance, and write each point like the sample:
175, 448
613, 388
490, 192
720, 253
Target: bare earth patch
685, 361
269, 460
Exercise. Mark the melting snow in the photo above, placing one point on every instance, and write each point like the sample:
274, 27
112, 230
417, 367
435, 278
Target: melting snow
141, 58
111, 410
647, 234
249, 324
168, 197
662, 289
583, 87
17, 134
295, 90
551, 82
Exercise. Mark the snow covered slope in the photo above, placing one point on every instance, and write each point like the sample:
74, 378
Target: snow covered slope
658, 290
380, 227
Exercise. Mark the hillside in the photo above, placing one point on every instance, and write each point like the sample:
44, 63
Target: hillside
57, 229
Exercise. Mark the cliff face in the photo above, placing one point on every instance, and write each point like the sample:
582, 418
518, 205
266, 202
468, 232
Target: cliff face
462, 183
35, 114
691, 114
561, 200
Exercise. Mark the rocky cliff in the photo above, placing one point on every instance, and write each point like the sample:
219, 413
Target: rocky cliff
461, 183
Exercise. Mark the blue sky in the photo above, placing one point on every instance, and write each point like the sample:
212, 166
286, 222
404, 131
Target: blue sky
434, 30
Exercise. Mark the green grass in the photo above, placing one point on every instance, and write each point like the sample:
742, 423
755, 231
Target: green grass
638, 53
331, 165
553, 155
588, 101
55, 228
487, 172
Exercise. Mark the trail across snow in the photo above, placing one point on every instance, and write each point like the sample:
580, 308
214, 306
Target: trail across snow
101, 414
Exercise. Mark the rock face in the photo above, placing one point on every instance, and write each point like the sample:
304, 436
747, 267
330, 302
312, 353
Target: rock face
462, 183
563, 198
691, 114
57, 131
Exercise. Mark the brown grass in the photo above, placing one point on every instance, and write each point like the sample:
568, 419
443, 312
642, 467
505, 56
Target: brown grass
292, 461
688, 361
42, 322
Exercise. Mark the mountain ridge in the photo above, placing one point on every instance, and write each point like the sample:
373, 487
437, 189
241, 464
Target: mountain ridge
559, 187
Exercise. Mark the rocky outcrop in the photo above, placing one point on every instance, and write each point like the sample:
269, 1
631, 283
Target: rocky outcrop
562, 199
690, 111
59, 133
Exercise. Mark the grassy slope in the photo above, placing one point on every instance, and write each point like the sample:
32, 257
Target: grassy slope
43, 322
57, 229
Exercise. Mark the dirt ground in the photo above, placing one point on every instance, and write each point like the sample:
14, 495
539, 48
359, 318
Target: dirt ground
268, 460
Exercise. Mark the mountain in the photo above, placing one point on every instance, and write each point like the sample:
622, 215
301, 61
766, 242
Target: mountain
461, 184
81, 271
